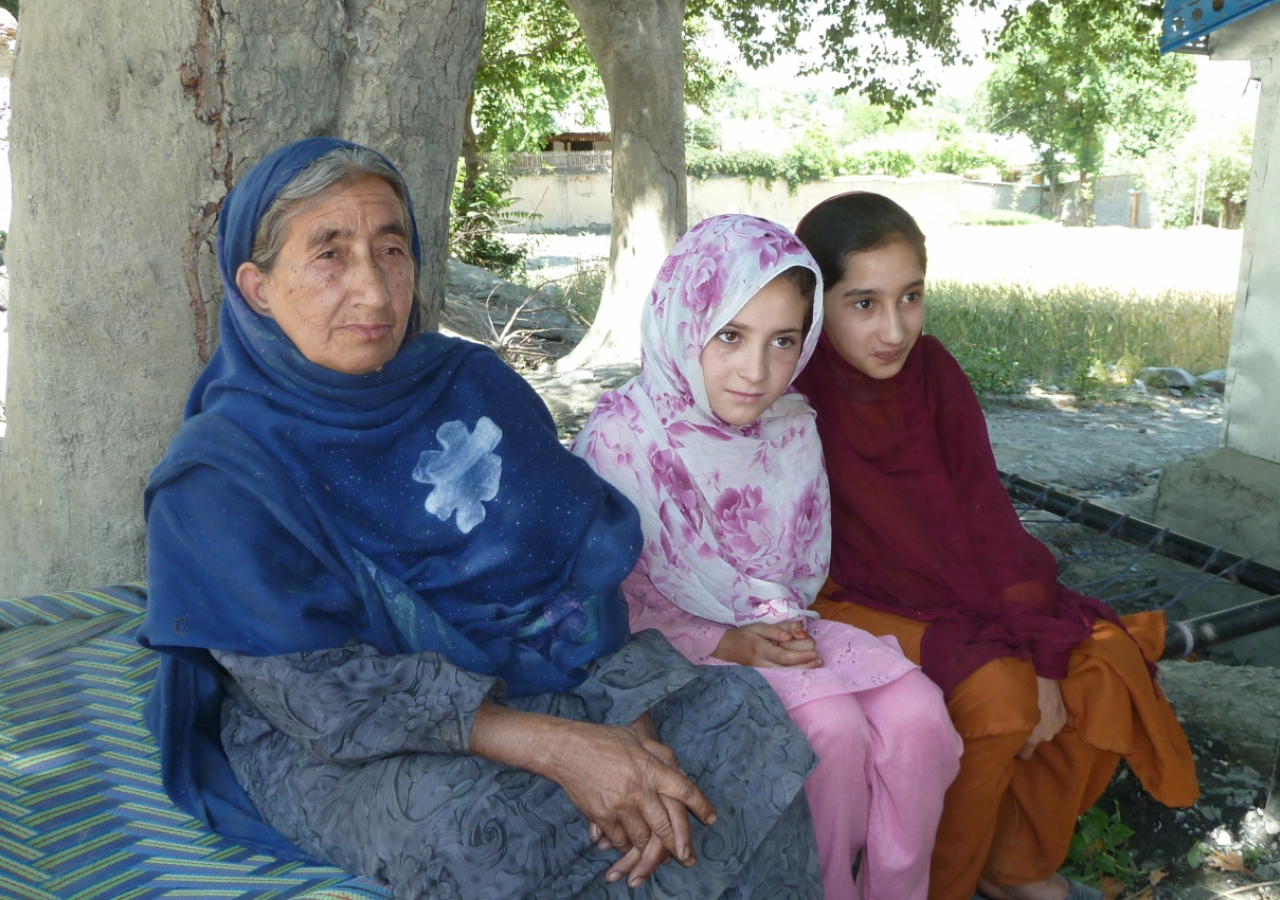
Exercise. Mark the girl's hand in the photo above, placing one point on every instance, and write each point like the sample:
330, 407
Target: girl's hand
1053, 715
783, 646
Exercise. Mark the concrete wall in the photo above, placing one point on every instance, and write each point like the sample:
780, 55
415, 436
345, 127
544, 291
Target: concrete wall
1232, 497
1252, 418
568, 202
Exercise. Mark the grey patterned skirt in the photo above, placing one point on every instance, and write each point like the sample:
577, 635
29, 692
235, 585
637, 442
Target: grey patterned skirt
457, 826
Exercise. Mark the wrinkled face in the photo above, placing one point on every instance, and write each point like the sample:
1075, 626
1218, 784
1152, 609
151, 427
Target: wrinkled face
749, 362
342, 286
875, 313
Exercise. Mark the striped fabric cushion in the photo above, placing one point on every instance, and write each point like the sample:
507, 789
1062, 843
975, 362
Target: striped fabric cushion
82, 814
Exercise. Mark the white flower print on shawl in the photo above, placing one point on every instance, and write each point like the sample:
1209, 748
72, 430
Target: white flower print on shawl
736, 519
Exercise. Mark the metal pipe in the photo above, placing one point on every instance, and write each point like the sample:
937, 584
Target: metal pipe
1181, 639
1214, 560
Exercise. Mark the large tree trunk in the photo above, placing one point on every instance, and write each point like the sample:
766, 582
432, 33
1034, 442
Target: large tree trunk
638, 47
131, 122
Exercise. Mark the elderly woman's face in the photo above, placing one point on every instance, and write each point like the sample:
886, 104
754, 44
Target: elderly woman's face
342, 286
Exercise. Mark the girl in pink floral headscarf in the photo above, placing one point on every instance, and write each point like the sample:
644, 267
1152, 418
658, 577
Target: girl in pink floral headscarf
723, 460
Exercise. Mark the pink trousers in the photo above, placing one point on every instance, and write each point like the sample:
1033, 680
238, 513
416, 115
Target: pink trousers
886, 757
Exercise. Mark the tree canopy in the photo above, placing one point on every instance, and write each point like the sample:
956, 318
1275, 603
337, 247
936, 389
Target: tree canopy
879, 46
1070, 75
534, 65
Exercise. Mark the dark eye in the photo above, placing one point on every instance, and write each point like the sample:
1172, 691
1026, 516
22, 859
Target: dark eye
783, 342
728, 337
864, 303
913, 297
328, 254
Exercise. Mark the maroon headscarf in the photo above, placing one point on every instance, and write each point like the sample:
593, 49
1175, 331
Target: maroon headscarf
922, 527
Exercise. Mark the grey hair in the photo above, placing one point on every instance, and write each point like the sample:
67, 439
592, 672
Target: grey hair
340, 166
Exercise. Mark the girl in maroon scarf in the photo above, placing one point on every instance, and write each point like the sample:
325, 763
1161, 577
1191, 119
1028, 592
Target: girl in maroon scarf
1048, 688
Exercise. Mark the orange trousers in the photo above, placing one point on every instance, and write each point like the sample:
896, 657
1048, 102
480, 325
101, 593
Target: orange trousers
1011, 821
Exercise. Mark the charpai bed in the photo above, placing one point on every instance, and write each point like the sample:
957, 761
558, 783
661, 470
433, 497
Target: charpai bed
82, 813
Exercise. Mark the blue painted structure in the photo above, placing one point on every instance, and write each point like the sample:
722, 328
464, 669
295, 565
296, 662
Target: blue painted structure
1186, 21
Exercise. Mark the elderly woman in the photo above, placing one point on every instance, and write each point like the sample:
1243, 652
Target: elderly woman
387, 604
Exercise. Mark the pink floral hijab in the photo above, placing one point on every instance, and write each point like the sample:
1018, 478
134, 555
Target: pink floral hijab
736, 519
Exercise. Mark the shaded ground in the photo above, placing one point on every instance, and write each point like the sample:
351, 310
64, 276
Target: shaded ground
1232, 717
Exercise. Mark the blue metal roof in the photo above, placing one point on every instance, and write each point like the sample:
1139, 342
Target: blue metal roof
1188, 20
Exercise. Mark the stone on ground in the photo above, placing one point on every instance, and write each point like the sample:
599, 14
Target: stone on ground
1167, 376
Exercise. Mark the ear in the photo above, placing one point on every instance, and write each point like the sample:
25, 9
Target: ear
249, 279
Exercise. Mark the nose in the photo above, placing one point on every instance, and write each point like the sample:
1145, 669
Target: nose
366, 282
754, 365
894, 330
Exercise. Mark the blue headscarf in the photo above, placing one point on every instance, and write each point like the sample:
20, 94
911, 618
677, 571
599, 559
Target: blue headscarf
425, 506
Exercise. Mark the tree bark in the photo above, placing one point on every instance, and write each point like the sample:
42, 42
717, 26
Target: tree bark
638, 47
470, 153
131, 123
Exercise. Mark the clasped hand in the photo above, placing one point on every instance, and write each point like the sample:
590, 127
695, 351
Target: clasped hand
1053, 716
784, 645
635, 797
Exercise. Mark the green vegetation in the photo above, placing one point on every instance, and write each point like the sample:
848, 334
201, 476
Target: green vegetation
1071, 76
582, 289
1084, 338
477, 215
1226, 187
898, 163
815, 158
877, 46
1097, 849
1088, 340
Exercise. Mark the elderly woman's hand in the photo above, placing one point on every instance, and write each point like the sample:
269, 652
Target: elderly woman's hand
622, 779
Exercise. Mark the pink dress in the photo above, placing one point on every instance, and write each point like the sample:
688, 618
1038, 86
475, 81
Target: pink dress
887, 749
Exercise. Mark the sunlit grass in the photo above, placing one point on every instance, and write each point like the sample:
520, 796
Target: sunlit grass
1080, 336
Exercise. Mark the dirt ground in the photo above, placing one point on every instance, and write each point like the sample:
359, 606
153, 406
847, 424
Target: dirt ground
1110, 451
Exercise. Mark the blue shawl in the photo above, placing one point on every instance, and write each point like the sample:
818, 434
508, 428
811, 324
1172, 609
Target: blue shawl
425, 506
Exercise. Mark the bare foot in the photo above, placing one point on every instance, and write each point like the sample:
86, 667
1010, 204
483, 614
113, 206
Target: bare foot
1052, 888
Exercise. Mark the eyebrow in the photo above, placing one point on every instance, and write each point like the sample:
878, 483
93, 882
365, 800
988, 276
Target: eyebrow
862, 292
320, 238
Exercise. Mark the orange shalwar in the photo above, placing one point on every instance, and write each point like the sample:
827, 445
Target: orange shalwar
1011, 821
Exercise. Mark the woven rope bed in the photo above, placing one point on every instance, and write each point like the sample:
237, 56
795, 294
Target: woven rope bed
82, 813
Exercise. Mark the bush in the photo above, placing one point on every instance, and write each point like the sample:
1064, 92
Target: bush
474, 222
898, 163
957, 157
812, 158
748, 164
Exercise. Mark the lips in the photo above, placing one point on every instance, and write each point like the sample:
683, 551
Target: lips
888, 356
370, 332
744, 398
